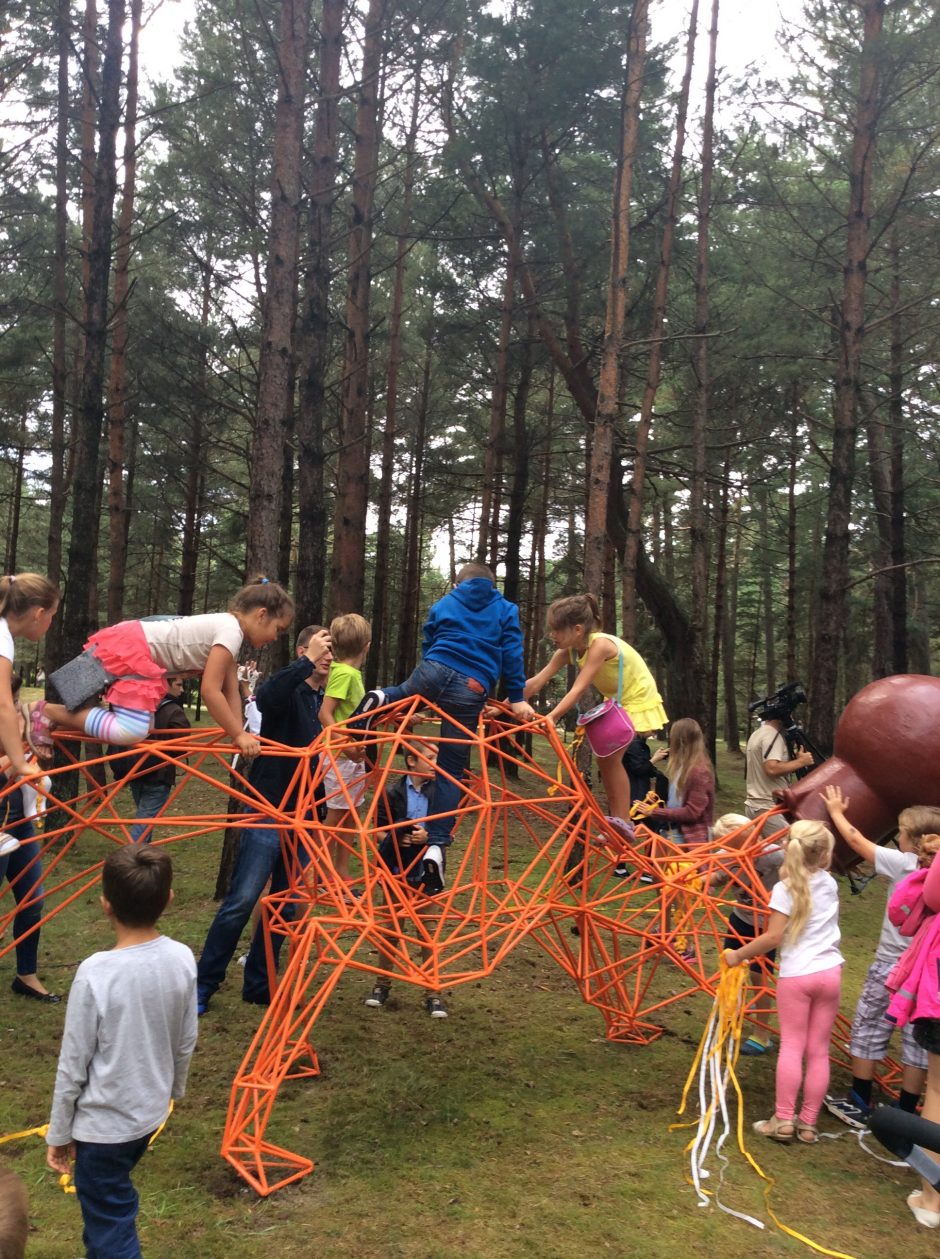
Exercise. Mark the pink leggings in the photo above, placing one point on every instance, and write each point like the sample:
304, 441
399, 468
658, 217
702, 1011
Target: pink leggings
807, 1006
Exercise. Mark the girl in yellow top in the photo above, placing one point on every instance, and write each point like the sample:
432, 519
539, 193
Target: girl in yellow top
574, 628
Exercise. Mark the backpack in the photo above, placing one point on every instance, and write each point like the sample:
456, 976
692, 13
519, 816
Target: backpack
906, 908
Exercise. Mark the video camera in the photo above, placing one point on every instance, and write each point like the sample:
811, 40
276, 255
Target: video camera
780, 705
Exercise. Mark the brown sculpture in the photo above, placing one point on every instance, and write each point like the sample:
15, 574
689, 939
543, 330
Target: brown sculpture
887, 757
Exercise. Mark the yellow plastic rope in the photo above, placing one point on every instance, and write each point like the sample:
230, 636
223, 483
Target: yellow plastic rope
714, 1067
65, 1180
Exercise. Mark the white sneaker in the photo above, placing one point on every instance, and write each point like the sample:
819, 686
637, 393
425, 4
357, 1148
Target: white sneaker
8, 844
432, 864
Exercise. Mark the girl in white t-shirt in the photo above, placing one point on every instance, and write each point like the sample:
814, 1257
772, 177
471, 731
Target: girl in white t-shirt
28, 602
804, 923
140, 654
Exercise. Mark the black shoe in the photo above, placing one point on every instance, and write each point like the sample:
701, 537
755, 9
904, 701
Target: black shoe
258, 998
377, 997
621, 871
362, 717
435, 1007
24, 990
432, 865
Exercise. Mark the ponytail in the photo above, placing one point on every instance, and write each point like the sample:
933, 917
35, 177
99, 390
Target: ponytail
21, 591
260, 592
809, 849
574, 610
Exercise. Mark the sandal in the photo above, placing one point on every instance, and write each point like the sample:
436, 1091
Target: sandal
807, 1133
38, 726
776, 1129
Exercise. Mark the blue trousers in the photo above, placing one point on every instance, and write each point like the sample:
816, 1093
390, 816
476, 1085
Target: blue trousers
23, 871
108, 1198
453, 693
150, 800
259, 858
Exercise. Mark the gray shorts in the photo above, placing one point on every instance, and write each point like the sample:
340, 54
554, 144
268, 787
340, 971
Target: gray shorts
871, 1031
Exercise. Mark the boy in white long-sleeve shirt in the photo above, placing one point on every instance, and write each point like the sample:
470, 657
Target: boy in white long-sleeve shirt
130, 1031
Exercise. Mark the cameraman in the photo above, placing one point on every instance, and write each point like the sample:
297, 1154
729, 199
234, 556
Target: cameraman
768, 765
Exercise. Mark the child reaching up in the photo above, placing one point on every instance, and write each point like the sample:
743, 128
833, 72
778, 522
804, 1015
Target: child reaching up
351, 638
28, 602
574, 626
804, 924
138, 655
871, 1031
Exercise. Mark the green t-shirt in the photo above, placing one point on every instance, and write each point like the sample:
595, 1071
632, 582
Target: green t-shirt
345, 686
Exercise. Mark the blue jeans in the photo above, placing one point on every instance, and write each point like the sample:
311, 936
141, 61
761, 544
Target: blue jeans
259, 858
150, 800
108, 1198
23, 871
450, 691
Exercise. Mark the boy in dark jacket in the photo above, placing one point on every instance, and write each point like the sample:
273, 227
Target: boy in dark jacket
471, 640
151, 788
409, 800
289, 703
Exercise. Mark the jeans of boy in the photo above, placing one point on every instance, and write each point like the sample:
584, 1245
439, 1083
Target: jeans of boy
452, 693
23, 871
108, 1198
149, 800
259, 858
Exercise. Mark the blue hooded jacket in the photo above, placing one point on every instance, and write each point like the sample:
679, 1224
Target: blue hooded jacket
474, 630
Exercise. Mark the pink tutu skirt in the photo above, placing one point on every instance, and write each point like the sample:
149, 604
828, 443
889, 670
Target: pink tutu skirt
122, 650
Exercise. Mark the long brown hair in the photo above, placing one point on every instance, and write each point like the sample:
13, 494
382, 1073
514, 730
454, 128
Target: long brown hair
22, 591
686, 750
574, 610
259, 592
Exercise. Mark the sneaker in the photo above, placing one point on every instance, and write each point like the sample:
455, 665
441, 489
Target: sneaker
621, 871
38, 727
8, 844
432, 864
435, 1007
851, 1109
377, 997
367, 705
753, 1048
646, 878
243, 960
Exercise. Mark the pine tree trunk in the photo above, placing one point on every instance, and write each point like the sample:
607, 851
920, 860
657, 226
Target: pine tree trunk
347, 564
608, 393
117, 392
899, 662
657, 338
76, 619
521, 459
493, 448
315, 325
830, 610
380, 626
411, 585
275, 374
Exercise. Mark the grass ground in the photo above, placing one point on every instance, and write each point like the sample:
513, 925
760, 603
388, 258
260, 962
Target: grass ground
511, 1129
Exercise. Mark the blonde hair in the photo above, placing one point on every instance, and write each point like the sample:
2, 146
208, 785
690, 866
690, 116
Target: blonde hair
21, 591
259, 592
728, 823
351, 634
574, 610
686, 750
809, 848
927, 848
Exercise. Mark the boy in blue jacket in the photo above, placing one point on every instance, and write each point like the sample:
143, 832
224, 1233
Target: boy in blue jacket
471, 640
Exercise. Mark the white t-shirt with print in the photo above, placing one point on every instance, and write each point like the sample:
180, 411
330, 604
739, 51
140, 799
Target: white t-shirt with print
818, 945
183, 645
894, 865
6, 640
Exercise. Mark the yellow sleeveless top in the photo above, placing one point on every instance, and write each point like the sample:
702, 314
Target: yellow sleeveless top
638, 695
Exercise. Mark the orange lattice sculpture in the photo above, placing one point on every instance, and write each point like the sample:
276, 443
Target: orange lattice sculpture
532, 858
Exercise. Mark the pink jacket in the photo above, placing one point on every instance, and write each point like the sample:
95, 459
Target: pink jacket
693, 816
915, 979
